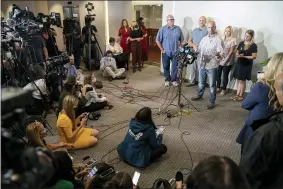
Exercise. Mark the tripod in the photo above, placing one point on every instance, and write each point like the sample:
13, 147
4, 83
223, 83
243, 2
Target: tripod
181, 65
90, 46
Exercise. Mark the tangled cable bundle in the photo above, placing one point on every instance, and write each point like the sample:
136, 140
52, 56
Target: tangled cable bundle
130, 95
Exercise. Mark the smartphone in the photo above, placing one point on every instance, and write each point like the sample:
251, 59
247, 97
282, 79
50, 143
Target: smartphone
106, 173
88, 161
92, 172
136, 178
260, 75
86, 116
159, 130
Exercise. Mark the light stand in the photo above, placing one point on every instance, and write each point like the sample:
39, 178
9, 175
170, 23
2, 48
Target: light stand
181, 65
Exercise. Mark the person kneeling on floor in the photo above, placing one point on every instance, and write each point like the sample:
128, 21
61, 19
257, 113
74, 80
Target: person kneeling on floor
95, 101
109, 68
141, 146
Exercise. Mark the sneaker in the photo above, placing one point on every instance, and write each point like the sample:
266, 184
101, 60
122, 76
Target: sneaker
167, 83
175, 83
196, 98
210, 106
218, 90
223, 92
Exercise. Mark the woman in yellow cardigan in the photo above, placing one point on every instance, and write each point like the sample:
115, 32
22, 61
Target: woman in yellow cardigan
71, 130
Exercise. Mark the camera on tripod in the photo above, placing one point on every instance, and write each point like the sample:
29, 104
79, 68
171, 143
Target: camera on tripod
89, 18
52, 19
186, 55
21, 167
56, 63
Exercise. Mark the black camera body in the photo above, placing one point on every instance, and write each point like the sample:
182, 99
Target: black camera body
21, 167
89, 18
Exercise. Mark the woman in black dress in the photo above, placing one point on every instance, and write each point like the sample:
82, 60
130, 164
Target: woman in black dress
136, 49
246, 53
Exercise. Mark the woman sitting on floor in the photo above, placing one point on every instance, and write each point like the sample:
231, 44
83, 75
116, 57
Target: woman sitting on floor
95, 101
141, 146
71, 130
117, 51
109, 68
35, 133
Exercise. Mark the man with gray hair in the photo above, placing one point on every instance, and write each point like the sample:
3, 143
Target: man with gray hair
210, 50
168, 39
195, 38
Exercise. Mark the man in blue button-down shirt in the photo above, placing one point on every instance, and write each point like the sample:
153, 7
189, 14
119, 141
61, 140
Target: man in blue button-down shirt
168, 39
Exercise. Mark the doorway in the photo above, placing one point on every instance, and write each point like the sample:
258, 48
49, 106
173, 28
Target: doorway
152, 15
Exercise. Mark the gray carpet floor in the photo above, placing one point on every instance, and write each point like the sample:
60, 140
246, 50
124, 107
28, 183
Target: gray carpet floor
204, 132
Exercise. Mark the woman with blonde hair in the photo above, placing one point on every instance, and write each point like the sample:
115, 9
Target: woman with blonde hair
227, 61
35, 133
71, 129
262, 101
246, 53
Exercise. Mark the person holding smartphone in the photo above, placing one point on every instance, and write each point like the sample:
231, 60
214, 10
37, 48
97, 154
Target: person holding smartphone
141, 146
71, 130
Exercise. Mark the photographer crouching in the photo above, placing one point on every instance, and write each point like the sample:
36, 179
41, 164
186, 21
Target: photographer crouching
43, 93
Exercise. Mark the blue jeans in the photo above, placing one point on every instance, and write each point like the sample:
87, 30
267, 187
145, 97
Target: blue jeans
166, 67
211, 73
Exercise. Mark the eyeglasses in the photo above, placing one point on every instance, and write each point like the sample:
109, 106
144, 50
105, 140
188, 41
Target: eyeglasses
170, 20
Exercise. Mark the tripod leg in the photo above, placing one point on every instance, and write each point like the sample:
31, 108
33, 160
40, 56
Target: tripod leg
190, 102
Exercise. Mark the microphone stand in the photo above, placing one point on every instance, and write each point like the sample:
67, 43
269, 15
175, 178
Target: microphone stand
179, 95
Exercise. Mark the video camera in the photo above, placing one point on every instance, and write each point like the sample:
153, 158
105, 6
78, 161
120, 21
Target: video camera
21, 168
56, 63
52, 19
89, 18
186, 54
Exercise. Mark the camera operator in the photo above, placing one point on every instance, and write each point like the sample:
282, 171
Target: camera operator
77, 42
44, 88
37, 51
49, 37
88, 32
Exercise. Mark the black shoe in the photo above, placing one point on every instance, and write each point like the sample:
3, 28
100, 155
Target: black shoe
179, 179
179, 176
134, 70
140, 69
110, 78
196, 98
210, 106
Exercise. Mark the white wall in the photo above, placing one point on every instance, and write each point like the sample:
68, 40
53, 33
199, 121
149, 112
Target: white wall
117, 11
263, 17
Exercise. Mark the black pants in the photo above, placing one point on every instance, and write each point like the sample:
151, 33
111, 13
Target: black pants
226, 70
95, 106
120, 60
157, 153
77, 56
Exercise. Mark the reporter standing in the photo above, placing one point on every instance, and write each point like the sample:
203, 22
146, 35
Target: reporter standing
246, 53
